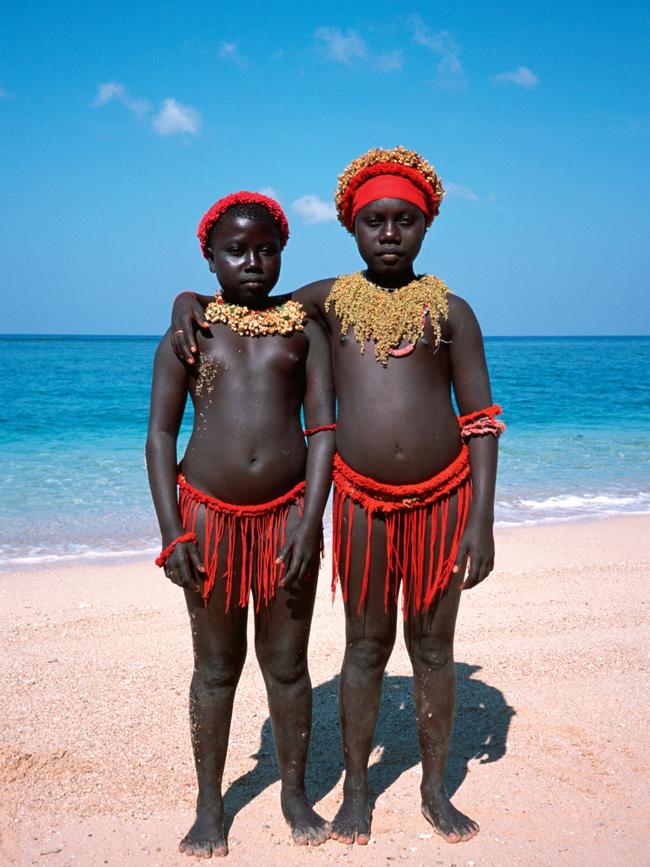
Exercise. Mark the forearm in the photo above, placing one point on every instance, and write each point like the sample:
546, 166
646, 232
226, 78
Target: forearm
483, 453
318, 476
162, 469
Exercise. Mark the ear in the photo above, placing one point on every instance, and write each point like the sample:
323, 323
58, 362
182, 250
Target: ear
210, 259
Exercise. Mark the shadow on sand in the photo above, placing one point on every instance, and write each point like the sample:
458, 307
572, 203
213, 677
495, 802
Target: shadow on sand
480, 732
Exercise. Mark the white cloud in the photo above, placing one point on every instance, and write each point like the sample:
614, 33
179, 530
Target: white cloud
389, 62
522, 76
270, 192
450, 72
230, 51
458, 191
314, 210
113, 91
176, 118
342, 47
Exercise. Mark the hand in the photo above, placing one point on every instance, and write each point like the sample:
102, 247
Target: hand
300, 554
187, 316
184, 567
477, 545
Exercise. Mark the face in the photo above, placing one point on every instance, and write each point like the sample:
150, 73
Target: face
389, 234
245, 255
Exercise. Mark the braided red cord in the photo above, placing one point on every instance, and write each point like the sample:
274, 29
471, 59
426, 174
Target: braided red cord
314, 430
489, 411
164, 555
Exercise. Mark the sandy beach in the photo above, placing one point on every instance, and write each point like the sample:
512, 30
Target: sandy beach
549, 750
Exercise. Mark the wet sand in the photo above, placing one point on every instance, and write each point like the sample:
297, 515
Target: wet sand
549, 750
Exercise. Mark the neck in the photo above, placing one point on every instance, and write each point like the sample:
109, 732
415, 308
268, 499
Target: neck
390, 281
253, 304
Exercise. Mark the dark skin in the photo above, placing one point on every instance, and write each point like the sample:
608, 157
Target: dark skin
397, 424
246, 447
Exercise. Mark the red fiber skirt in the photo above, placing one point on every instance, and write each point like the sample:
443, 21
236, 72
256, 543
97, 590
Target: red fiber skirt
261, 530
411, 556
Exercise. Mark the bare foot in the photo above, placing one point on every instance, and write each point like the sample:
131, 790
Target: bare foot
352, 822
452, 825
206, 837
307, 827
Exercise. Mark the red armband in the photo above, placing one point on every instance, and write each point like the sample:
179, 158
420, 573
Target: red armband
482, 422
310, 431
164, 555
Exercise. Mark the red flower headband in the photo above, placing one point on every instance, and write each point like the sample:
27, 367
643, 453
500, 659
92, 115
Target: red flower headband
242, 198
395, 173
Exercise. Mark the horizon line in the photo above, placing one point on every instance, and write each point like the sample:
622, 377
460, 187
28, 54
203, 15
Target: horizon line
159, 336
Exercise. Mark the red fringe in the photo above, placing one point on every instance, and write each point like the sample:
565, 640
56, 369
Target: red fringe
259, 527
406, 509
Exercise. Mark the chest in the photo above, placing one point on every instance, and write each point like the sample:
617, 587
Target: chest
226, 353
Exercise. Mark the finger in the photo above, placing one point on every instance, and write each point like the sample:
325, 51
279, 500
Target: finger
195, 557
473, 574
186, 340
198, 314
187, 578
284, 550
291, 570
461, 559
187, 352
174, 577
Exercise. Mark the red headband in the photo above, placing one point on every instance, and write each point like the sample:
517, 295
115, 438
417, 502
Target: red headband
389, 187
242, 198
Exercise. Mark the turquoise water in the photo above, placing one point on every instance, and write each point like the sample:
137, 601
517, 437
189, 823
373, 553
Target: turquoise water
73, 422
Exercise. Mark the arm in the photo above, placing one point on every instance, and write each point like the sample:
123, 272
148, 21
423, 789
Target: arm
471, 385
188, 314
302, 547
168, 397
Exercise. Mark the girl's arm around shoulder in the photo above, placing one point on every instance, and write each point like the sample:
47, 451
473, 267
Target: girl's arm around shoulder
313, 295
188, 315
301, 550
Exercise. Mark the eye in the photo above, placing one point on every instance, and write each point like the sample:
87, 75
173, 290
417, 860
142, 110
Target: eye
405, 220
269, 250
235, 249
373, 220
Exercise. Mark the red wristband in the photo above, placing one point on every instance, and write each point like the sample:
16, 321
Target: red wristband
314, 430
163, 557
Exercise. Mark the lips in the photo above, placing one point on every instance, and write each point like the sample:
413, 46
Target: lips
389, 255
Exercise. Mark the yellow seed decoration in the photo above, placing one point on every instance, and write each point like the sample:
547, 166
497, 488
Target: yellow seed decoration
389, 317
284, 319
400, 155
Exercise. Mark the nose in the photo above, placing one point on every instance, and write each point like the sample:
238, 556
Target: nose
390, 233
253, 262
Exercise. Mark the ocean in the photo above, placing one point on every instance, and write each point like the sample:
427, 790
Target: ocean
73, 421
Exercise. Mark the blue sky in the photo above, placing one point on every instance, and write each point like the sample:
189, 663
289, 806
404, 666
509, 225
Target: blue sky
122, 123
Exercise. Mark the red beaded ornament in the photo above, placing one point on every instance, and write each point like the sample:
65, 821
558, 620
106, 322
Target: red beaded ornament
244, 197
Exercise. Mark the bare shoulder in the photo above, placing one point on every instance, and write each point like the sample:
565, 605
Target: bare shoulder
313, 295
461, 316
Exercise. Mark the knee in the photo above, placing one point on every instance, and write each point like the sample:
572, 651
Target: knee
281, 666
217, 673
369, 654
432, 653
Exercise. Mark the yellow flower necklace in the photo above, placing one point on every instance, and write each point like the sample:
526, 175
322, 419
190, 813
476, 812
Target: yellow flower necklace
386, 316
284, 319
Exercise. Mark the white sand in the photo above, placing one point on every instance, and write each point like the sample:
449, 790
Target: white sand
550, 745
